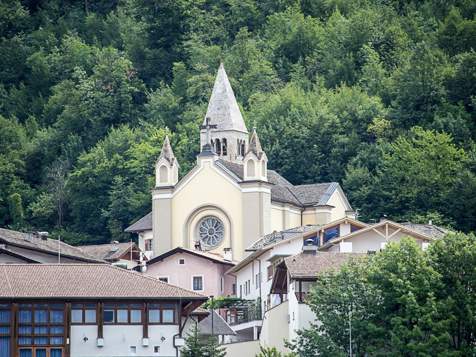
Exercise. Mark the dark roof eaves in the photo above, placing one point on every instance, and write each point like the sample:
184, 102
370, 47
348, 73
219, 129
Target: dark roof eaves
50, 252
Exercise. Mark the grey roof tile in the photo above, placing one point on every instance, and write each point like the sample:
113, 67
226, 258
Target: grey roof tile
223, 109
48, 245
143, 224
220, 327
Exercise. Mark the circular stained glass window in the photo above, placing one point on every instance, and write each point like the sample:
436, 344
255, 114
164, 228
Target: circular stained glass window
210, 232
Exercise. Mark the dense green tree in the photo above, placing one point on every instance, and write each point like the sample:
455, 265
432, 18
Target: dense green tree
339, 81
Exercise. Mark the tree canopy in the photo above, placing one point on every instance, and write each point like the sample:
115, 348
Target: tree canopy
376, 95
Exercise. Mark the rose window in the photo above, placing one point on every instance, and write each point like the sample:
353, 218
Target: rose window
210, 232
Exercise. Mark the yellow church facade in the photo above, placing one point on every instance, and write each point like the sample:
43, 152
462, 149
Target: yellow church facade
229, 199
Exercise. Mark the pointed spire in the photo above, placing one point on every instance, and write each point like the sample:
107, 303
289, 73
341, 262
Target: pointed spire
255, 145
167, 152
223, 109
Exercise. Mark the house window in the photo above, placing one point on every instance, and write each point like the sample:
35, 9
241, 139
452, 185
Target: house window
181, 261
162, 314
257, 280
40, 325
197, 283
121, 314
241, 291
331, 232
148, 244
270, 271
222, 283
233, 289
83, 314
164, 279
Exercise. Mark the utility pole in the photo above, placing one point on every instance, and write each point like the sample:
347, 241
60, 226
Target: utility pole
350, 330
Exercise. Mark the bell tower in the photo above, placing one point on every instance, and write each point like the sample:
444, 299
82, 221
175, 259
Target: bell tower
229, 136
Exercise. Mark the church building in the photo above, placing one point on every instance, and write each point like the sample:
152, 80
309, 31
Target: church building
229, 199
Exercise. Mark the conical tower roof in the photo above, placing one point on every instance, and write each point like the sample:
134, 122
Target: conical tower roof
167, 152
255, 145
223, 109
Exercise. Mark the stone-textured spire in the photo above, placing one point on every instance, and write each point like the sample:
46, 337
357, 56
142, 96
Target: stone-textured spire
255, 145
223, 109
167, 152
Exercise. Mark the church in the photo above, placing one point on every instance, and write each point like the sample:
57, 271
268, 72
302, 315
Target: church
230, 198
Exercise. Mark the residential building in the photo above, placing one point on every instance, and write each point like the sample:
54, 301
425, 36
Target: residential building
90, 310
254, 274
203, 272
229, 199
36, 247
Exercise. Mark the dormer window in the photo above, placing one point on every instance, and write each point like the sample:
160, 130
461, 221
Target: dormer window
331, 232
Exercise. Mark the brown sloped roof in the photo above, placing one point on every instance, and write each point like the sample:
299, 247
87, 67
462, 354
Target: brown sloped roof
110, 252
307, 266
207, 255
83, 281
49, 246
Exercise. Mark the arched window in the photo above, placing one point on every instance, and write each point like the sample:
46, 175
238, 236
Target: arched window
224, 146
217, 146
250, 168
163, 174
243, 148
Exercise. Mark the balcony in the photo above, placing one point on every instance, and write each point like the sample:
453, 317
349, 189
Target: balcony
239, 311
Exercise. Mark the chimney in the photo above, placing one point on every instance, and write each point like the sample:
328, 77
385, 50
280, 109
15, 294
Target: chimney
310, 246
43, 235
227, 254
430, 222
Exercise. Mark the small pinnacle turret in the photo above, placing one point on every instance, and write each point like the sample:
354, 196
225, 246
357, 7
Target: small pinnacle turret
167, 153
255, 145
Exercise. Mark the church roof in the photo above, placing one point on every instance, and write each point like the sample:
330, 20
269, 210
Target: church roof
143, 224
285, 192
167, 152
223, 109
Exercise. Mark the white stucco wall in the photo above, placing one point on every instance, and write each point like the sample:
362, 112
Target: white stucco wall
119, 339
372, 241
275, 328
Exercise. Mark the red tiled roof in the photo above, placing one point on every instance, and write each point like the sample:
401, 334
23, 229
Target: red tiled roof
305, 265
83, 281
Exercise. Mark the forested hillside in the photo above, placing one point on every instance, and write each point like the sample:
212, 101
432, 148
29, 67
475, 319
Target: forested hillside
378, 95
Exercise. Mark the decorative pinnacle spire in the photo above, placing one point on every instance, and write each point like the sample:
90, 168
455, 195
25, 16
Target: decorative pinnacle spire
255, 145
167, 152
223, 109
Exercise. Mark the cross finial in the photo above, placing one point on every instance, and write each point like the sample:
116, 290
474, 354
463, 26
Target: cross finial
208, 128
